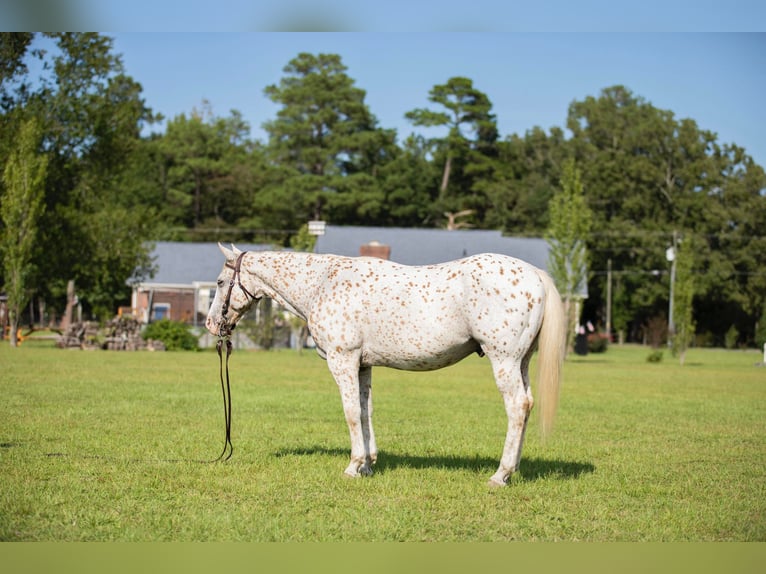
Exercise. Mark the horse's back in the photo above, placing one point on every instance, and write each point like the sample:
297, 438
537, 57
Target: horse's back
427, 317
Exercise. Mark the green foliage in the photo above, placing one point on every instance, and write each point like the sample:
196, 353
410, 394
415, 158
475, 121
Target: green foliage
205, 170
570, 224
21, 206
655, 357
760, 332
567, 235
527, 175
89, 114
641, 171
470, 143
598, 343
266, 328
684, 289
303, 240
649, 174
176, 336
731, 338
327, 141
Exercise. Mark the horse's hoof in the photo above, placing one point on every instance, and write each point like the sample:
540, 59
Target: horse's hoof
492, 483
365, 471
362, 471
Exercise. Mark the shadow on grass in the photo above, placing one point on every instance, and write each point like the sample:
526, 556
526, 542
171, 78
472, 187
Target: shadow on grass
530, 469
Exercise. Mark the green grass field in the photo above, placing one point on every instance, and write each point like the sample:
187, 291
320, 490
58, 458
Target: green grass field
105, 446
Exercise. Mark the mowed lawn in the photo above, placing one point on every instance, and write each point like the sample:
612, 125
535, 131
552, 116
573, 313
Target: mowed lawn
101, 446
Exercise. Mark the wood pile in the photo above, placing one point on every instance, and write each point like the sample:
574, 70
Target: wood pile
123, 334
79, 336
119, 334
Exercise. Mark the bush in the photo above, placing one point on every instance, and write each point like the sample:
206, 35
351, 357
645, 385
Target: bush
175, 335
654, 357
760, 330
730, 338
598, 342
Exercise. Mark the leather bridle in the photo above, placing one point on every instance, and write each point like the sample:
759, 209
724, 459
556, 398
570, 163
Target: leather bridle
224, 333
236, 277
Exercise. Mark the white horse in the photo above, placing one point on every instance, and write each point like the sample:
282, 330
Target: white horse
364, 312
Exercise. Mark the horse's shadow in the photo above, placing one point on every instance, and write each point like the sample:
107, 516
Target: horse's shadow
530, 469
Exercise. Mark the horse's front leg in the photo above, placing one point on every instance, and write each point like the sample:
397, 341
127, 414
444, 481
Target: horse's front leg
345, 369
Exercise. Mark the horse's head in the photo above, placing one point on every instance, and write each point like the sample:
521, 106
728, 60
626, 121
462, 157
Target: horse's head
232, 299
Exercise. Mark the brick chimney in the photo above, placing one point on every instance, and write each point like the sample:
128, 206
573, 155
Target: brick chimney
375, 249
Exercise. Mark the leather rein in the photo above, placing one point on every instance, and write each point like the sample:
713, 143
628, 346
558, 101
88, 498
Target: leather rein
224, 334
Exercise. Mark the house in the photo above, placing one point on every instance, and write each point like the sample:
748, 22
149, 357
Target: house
184, 284
426, 246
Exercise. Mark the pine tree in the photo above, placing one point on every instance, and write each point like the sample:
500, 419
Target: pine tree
470, 143
327, 141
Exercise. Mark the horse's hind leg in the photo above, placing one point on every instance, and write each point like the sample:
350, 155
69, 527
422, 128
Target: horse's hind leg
365, 402
512, 379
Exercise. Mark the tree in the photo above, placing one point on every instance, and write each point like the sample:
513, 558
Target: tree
527, 176
13, 48
650, 173
468, 115
327, 142
683, 311
90, 115
20, 207
570, 223
406, 183
203, 171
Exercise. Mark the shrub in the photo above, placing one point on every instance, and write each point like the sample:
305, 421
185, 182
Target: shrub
760, 330
598, 342
730, 338
654, 357
175, 335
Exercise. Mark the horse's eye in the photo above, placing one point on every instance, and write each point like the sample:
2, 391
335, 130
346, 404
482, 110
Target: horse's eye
220, 282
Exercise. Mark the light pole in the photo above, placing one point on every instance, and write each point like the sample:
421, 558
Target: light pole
670, 255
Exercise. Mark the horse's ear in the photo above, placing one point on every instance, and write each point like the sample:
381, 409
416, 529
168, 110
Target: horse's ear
227, 253
235, 250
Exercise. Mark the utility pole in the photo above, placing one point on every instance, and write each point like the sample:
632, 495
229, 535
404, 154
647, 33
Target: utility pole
609, 299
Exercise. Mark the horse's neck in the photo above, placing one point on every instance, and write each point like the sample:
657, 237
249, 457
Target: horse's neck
291, 278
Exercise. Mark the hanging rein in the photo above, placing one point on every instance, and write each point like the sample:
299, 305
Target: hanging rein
224, 334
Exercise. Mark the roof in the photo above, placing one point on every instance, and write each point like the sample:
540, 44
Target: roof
183, 264
426, 246
180, 263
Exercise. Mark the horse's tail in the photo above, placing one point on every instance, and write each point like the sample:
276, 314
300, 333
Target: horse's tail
551, 345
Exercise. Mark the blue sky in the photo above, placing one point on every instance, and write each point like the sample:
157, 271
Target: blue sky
389, 16
717, 79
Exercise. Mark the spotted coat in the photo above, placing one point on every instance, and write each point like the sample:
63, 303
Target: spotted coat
364, 312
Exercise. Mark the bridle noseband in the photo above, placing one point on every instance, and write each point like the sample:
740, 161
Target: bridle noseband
235, 276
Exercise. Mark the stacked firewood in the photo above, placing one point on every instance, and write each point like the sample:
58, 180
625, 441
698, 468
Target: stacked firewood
123, 334
119, 334
84, 335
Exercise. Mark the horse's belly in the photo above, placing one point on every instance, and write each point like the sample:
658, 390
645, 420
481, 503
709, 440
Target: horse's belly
416, 355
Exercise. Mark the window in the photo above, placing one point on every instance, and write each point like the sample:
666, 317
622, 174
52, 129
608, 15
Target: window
160, 311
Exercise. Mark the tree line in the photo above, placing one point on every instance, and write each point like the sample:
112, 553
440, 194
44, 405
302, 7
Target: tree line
71, 117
